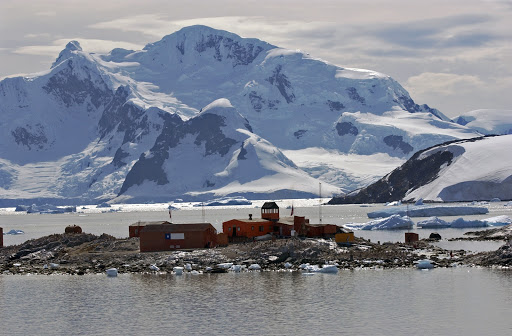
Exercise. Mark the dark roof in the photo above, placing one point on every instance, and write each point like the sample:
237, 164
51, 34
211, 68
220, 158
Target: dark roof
149, 223
247, 220
320, 225
169, 227
269, 205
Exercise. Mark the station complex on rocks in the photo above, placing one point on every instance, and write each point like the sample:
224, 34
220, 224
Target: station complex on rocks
163, 235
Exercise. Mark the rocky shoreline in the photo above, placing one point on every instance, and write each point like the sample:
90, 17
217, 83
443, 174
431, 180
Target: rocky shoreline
90, 254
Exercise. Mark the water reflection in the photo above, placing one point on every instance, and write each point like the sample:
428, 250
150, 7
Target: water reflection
461, 301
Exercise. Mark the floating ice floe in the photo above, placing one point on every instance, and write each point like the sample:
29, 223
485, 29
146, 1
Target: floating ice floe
188, 267
388, 223
429, 211
236, 268
254, 267
14, 232
287, 265
178, 270
332, 269
112, 272
425, 264
53, 266
225, 265
154, 268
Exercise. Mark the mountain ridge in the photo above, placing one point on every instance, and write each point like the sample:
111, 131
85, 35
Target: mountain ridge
109, 123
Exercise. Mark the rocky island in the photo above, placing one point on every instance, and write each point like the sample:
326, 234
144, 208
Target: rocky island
83, 253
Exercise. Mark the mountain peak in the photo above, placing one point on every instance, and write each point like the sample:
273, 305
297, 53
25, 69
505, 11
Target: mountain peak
71, 48
201, 44
73, 45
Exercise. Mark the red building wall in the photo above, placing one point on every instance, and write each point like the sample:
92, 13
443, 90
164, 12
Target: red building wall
134, 230
158, 240
254, 228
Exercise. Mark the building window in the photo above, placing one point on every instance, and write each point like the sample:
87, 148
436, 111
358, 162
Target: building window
177, 236
171, 246
252, 228
229, 229
177, 246
239, 229
261, 228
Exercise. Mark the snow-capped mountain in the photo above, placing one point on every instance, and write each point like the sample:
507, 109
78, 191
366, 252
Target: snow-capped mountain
204, 112
498, 122
463, 170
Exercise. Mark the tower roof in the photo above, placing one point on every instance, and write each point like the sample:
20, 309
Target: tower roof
269, 205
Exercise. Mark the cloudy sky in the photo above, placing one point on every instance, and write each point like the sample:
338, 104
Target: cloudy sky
453, 55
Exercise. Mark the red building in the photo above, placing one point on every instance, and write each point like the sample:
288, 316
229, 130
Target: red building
135, 228
168, 237
271, 223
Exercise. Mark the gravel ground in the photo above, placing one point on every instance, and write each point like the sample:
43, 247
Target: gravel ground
86, 253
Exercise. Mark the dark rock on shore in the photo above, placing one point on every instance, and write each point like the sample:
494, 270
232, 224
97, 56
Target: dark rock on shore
86, 253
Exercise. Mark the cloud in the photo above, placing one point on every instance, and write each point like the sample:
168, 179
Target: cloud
446, 32
89, 45
442, 83
46, 13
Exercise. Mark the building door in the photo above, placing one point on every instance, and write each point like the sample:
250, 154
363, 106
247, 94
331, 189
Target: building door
234, 231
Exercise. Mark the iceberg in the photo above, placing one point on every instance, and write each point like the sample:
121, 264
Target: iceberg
429, 211
498, 220
388, 223
433, 223
460, 223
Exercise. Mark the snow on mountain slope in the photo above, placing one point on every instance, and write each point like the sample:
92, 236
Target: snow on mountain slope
236, 161
463, 170
480, 170
305, 98
96, 127
487, 121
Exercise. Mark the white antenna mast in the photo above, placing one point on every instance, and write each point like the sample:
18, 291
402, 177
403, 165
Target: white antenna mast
320, 201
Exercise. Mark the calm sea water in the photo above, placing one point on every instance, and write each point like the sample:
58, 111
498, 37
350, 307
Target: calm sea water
460, 301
